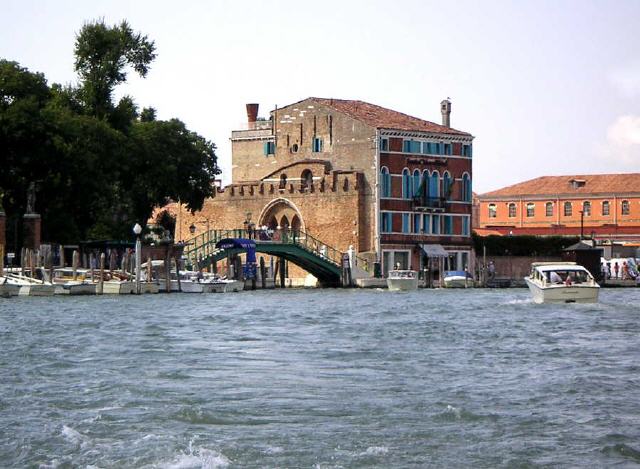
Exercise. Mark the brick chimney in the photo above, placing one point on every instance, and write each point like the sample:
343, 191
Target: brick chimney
252, 113
445, 109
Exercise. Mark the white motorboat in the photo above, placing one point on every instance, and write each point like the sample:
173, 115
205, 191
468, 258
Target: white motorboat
458, 279
8, 289
561, 282
402, 280
27, 286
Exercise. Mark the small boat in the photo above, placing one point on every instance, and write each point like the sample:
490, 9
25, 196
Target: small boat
68, 282
402, 280
27, 286
8, 289
561, 282
458, 279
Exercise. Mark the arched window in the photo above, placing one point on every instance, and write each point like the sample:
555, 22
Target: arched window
625, 207
406, 184
512, 210
447, 185
492, 210
548, 209
306, 179
434, 185
466, 188
605, 208
568, 210
385, 182
586, 208
283, 181
416, 183
531, 209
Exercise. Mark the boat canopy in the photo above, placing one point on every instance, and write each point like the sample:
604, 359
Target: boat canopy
457, 273
239, 243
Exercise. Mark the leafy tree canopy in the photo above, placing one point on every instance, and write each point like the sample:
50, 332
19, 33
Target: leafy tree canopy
98, 167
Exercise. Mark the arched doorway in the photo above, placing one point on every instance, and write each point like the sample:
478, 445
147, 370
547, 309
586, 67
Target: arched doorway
282, 213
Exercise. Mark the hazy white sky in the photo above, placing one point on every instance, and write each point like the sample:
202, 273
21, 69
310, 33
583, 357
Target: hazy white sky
546, 87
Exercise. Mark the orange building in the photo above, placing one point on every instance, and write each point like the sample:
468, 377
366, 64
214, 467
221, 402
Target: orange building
604, 205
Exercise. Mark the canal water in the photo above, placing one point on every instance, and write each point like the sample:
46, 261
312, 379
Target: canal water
320, 378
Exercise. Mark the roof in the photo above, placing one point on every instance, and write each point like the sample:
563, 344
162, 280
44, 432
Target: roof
383, 118
584, 184
581, 246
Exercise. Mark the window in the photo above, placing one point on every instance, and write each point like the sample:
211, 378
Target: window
386, 222
447, 185
512, 210
384, 144
306, 178
317, 145
294, 148
447, 149
586, 208
426, 148
269, 148
548, 209
567, 209
448, 224
416, 222
625, 207
435, 224
406, 184
385, 182
531, 209
492, 210
411, 146
426, 223
466, 188
605, 207
406, 223
283, 181
434, 185
435, 148
466, 150
416, 183
465, 226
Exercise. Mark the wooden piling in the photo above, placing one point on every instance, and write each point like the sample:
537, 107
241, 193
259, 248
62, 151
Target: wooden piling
74, 264
101, 284
167, 272
263, 272
175, 261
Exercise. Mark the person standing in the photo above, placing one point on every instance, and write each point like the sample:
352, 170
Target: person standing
616, 270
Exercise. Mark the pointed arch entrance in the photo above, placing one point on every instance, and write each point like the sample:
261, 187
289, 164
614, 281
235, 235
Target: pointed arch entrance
281, 213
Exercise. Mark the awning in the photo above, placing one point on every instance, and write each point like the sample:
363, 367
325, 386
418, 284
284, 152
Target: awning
434, 250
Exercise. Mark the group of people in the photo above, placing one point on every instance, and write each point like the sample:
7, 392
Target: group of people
617, 271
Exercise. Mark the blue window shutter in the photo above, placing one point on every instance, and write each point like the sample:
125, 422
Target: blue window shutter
266, 148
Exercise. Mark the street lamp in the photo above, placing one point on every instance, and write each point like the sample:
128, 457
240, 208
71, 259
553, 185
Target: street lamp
192, 228
137, 229
581, 225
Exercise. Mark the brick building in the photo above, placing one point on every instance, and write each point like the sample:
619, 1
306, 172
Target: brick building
350, 173
606, 205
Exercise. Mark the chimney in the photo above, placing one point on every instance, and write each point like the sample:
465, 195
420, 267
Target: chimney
252, 112
445, 109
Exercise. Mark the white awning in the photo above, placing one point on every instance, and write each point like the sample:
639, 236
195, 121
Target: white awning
434, 250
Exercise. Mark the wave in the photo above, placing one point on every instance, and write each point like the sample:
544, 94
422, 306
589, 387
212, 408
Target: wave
200, 458
452, 414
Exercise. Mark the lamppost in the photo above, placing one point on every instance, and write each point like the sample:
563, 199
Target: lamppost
581, 225
137, 229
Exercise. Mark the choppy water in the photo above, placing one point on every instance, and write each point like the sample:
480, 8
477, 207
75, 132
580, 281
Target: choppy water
320, 378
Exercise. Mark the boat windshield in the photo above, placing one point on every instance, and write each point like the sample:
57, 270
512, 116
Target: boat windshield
402, 274
566, 276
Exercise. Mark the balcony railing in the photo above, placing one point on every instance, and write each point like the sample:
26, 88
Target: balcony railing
429, 203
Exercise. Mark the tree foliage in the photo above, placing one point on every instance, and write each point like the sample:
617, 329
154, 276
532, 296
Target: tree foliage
98, 167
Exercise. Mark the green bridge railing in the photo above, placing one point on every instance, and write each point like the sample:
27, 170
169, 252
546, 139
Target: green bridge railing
203, 245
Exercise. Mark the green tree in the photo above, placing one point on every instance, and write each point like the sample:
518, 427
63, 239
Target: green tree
102, 55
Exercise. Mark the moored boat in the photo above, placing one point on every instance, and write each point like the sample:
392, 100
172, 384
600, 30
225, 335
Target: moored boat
27, 286
458, 279
402, 280
561, 282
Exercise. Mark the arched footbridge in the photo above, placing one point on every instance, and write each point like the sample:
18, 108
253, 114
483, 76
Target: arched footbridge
322, 261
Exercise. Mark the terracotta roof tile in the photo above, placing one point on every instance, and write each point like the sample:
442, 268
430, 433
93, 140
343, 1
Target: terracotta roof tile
575, 184
383, 118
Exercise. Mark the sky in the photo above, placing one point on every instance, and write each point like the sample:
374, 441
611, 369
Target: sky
546, 87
